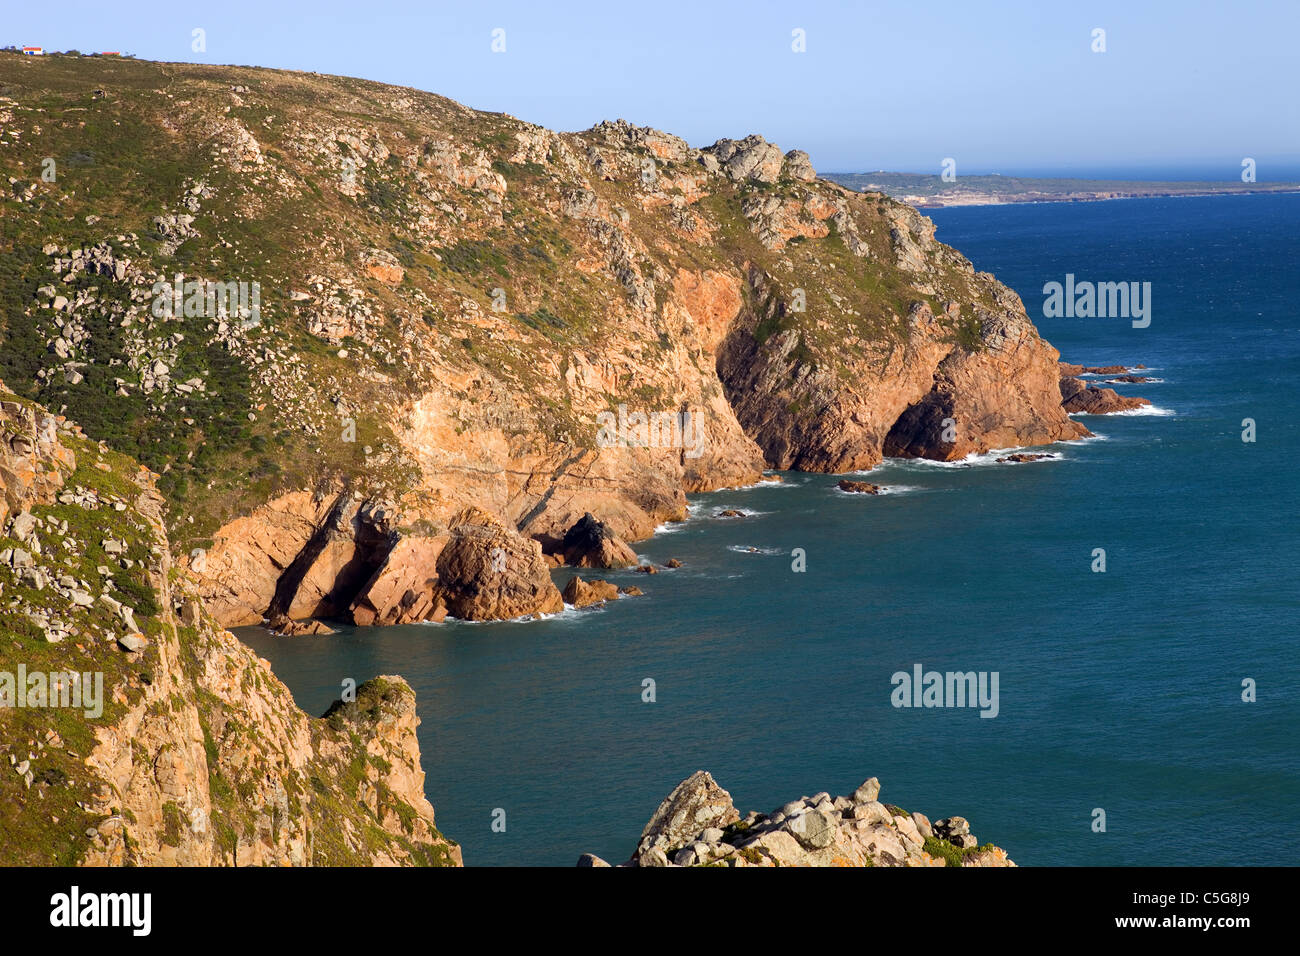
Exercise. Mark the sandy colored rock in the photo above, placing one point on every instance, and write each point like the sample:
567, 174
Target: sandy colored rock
487, 571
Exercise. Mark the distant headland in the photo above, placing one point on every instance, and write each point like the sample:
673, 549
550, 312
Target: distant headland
930, 191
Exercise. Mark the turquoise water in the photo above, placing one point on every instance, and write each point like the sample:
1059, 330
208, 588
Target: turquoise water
1118, 690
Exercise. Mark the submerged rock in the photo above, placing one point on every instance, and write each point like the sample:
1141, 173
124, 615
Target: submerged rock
859, 487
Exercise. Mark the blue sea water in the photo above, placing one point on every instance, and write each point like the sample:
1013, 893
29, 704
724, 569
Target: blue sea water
1119, 690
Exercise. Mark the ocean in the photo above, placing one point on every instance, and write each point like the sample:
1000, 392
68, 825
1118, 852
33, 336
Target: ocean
1118, 691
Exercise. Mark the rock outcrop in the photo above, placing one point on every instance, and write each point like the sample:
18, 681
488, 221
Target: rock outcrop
698, 825
1078, 396
184, 749
490, 315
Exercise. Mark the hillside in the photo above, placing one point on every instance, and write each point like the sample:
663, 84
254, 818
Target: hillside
447, 302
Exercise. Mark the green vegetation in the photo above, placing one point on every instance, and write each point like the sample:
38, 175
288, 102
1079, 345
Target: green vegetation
952, 855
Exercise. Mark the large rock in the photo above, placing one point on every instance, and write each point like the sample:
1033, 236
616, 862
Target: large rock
694, 805
489, 572
591, 543
749, 158
1080, 397
798, 165
404, 588
580, 593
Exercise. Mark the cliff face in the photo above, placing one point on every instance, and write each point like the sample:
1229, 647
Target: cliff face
457, 310
135, 730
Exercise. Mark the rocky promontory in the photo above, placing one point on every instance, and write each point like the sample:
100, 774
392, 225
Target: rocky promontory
185, 750
347, 315
698, 825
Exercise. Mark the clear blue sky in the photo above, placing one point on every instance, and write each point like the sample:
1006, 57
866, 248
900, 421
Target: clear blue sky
1010, 86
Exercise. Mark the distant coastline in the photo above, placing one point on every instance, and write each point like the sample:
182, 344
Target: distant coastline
929, 191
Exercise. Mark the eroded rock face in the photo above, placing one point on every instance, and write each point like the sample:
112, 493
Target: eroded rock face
238, 575
1002, 396
404, 589
487, 571
926, 395
697, 825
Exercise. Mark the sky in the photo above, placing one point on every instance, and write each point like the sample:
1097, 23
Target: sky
1183, 89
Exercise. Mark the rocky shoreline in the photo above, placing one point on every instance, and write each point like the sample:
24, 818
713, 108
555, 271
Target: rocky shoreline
698, 825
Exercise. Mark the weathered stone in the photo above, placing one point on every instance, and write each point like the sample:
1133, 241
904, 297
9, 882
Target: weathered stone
488, 571
695, 804
592, 544
868, 791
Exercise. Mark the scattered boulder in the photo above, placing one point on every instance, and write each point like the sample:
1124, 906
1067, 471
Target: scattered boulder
133, 643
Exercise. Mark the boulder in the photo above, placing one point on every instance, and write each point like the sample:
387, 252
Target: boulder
487, 571
695, 804
750, 158
580, 593
798, 165
858, 487
591, 543
867, 791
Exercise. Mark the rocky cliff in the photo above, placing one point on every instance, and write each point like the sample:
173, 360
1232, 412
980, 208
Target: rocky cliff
134, 729
364, 334
698, 825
